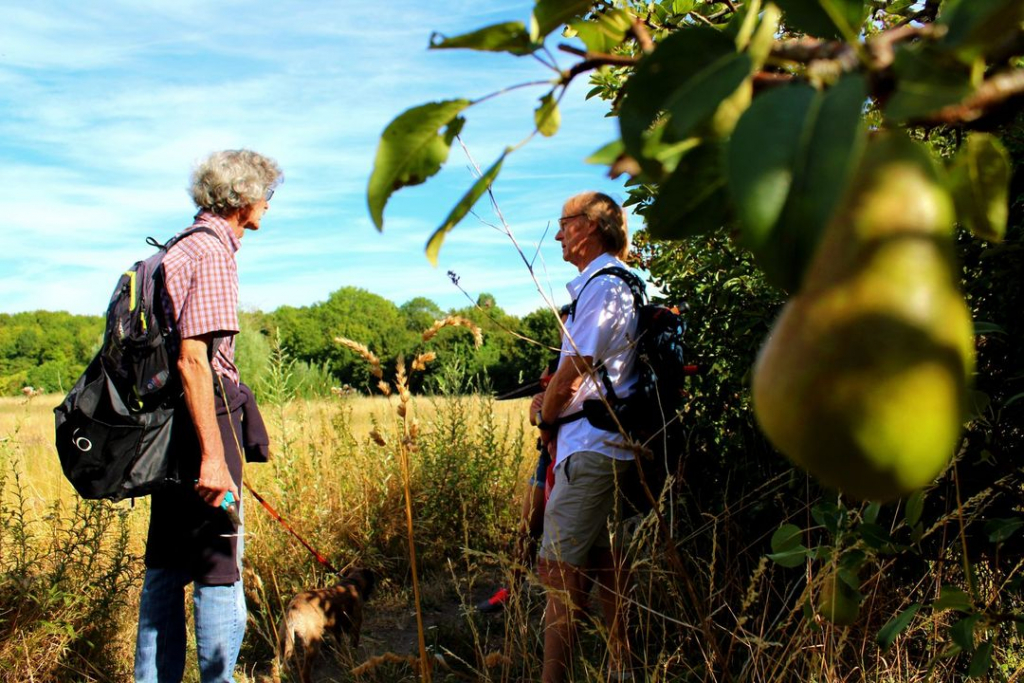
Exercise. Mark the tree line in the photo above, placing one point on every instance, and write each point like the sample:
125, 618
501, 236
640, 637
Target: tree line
49, 350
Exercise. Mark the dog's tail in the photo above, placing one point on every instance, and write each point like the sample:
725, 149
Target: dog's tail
285, 648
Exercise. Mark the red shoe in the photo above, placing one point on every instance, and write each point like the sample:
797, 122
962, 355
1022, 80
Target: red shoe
495, 603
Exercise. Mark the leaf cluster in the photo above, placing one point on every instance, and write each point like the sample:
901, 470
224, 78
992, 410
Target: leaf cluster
740, 127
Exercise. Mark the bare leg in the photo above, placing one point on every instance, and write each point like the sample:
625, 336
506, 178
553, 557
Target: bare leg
613, 583
563, 583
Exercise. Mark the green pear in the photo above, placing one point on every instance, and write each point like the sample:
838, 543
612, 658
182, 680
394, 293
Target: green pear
863, 380
837, 602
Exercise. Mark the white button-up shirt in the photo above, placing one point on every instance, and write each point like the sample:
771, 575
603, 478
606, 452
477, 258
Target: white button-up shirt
603, 327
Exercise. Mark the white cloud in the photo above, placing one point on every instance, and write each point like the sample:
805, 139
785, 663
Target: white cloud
105, 107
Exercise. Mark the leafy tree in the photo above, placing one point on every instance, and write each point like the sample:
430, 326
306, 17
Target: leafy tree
44, 349
539, 326
751, 136
420, 313
308, 333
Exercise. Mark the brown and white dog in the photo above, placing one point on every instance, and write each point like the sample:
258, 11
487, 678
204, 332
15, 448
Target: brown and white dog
314, 613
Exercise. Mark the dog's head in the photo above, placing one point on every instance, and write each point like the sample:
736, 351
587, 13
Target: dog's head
363, 579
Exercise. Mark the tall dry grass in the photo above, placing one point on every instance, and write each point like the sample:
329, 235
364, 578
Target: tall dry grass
706, 605
335, 475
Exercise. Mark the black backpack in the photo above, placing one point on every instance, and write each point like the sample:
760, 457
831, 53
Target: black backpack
114, 428
648, 414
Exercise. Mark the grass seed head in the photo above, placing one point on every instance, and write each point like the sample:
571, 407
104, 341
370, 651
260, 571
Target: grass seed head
419, 364
456, 321
401, 382
377, 437
365, 353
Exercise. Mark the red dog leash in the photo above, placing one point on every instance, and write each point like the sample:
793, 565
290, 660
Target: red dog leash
273, 513
262, 501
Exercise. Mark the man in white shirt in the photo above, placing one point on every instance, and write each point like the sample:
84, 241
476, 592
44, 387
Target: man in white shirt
590, 462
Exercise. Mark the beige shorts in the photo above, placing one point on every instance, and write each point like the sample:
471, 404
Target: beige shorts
582, 504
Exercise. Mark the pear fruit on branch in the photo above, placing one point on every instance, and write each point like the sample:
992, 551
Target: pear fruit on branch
838, 603
863, 379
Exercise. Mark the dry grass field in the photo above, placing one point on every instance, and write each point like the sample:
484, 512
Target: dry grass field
337, 485
70, 570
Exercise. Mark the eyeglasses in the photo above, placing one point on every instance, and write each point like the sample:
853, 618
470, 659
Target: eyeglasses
269, 194
563, 219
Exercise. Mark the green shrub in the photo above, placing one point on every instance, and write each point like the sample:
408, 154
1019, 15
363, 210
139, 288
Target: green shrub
66, 578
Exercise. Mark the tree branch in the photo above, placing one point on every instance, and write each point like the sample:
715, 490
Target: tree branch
882, 47
592, 60
763, 80
997, 90
702, 18
643, 36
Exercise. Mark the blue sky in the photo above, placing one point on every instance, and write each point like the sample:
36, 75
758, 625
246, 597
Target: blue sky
105, 107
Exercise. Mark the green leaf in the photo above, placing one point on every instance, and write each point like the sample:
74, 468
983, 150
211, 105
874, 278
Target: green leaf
985, 327
786, 547
823, 553
786, 537
974, 25
874, 535
411, 150
764, 36
825, 18
951, 597
899, 6
693, 201
895, 626
980, 179
603, 32
871, 512
679, 6
689, 74
463, 207
962, 632
851, 580
927, 79
742, 23
828, 515
550, 14
547, 117
981, 662
853, 560
510, 36
790, 558
788, 163
978, 403
608, 154
1000, 530
915, 506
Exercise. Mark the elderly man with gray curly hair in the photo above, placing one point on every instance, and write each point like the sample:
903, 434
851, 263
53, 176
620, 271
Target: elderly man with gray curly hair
191, 540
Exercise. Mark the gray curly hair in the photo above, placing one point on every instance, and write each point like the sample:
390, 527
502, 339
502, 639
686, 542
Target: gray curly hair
233, 179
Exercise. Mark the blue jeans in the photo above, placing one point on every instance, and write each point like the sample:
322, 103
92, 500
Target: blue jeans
220, 617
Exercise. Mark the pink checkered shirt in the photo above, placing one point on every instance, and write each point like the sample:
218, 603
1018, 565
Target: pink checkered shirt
201, 280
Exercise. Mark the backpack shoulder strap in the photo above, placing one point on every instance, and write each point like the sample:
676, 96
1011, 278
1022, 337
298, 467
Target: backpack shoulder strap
636, 286
180, 236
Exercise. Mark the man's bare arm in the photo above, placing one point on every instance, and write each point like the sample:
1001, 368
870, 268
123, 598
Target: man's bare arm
197, 383
564, 384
